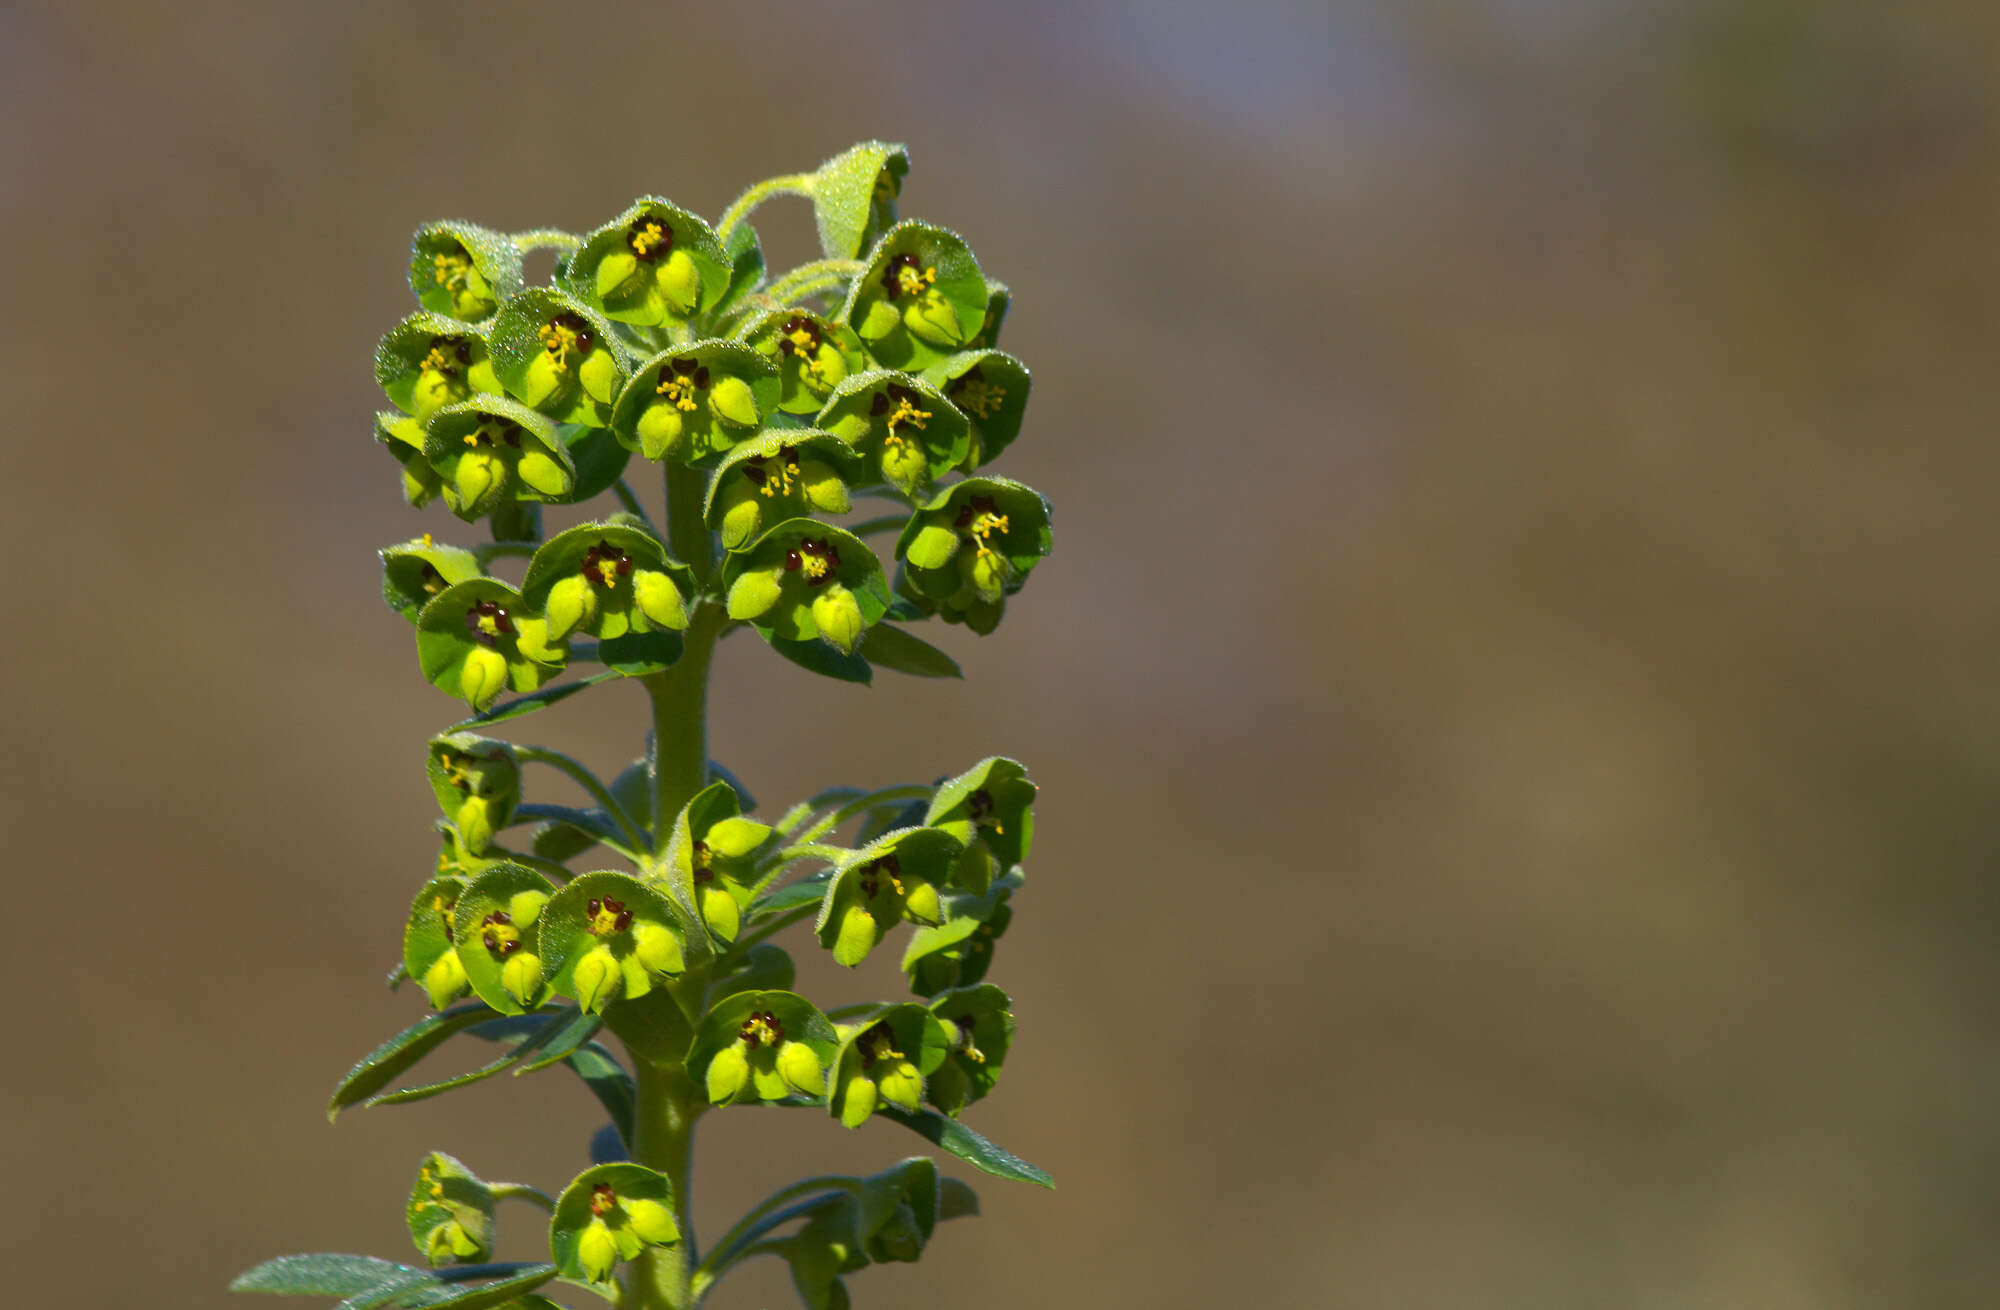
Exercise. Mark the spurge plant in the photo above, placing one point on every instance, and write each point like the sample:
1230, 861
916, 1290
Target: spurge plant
776, 406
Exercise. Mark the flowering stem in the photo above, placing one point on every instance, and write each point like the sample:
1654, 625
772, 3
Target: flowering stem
811, 279
791, 184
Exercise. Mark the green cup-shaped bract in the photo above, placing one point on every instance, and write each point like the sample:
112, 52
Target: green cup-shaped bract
403, 437
762, 1046
854, 196
980, 1022
450, 1213
491, 450
430, 953
972, 546
428, 361
886, 1217
415, 571
958, 952
463, 271
477, 782
989, 807
608, 1214
712, 858
606, 579
921, 297
991, 389
783, 474
607, 936
655, 263
988, 336
557, 356
894, 878
802, 580
884, 1060
498, 927
693, 403
475, 639
813, 354
905, 432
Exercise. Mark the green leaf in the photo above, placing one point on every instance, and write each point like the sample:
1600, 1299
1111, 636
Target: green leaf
321, 1274
746, 266
816, 656
608, 1081
558, 1023
528, 704
638, 653
392, 1058
481, 1296
809, 892
392, 1290
893, 648
967, 1145
854, 196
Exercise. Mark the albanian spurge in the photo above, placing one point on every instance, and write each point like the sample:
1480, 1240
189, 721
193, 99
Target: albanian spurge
797, 418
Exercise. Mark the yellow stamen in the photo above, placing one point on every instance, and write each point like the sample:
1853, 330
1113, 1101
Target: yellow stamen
905, 412
450, 269
779, 475
910, 281
560, 340
427, 541
678, 389
986, 525
760, 1032
983, 398
647, 237
435, 362
814, 566
604, 921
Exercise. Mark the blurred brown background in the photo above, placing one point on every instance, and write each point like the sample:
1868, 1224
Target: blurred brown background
1514, 694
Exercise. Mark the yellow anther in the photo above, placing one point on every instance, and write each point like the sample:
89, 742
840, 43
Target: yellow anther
759, 1031
983, 398
450, 269
910, 281
987, 524
435, 362
607, 569
560, 340
805, 349
678, 389
905, 412
974, 1054
488, 624
427, 541
814, 565
779, 475
647, 237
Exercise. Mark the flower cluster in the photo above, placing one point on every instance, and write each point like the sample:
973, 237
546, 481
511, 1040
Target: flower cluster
775, 406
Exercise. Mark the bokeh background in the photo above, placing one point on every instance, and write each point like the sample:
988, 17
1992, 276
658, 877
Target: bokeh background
1514, 695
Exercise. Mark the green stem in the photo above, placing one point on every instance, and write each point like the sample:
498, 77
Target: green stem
523, 1192
739, 947
791, 184
886, 796
810, 279
589, 782
546, 238
663, 1138
882, 524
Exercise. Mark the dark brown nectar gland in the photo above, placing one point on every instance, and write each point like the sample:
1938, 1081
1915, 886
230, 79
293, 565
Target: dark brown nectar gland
773, 475
907, 275
874, 873
680, 379
442, 906
815, 558
602, 1200
896, 405
761, 1030
965, 1045
702, 858
604, 564
488, 622
650, 238
499, 935
800, 336
607, 916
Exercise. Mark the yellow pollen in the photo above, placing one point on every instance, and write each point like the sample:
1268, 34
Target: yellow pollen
983, 398
560, 340
986, 525
678, 389
647, 237
427, 541
435, 362
905, 412
603, 922
910, 281
813, 565
973, 1053
503, 935
607, 569
763, 1033
450, 270
778, 478
805, 351
489, 625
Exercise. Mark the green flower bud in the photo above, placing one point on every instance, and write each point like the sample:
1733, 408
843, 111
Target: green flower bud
450, 1212
463, 271
606, 579
444, 981
653, 264
403, 438
801, 1068
596, 978
901, 1085
958, 951
597, 1251
711, 857
450, 1242
858, 1097
854, 196
775, 582
651, 1222
899, 1240
884, 1061
904, 431
921, 297
780, 475
979, 1026
490, 449
991, 390
892, 878
657, 948
521, 976
695, 402
557, 356
813, 356
971, 546
427, 362
837, 615
477, 784
720, 912
728, 1074
482, 677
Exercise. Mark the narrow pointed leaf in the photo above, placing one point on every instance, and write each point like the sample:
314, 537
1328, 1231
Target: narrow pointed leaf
320, 1274
534, 700
387, 1062
893, 648
967, 1145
